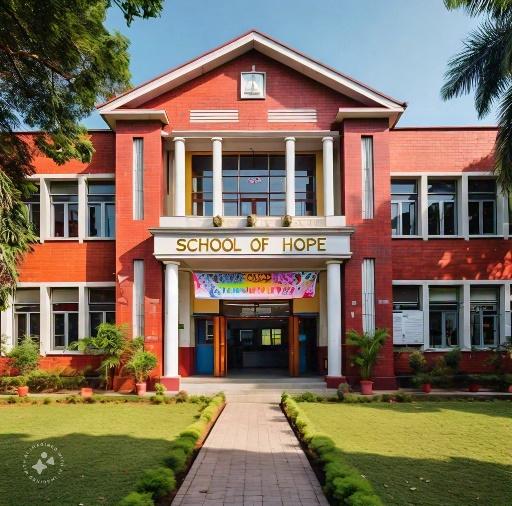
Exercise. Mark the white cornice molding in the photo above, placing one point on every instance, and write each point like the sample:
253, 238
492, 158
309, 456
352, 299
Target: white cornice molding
111, 117
392, 114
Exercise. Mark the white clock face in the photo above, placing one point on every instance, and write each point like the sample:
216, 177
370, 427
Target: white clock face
252, 85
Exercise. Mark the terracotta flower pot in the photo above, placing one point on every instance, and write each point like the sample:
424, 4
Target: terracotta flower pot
141, 388
366, 387
510, 389
23, 391
474, 387
426, 388
124, 384
86, 392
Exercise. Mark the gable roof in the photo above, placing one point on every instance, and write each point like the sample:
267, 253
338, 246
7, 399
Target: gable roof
267, 46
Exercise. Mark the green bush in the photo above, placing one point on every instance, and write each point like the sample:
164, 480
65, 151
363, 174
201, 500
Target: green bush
403, 396
184, 443
73, 382
452, 359
141, 364
306, 397
25, 357
43, 381
157, 399
136, 499
363, 499
160, 389
181, 396
176, 460
158, 481
9, 384
342, 390
417, 362
345, 487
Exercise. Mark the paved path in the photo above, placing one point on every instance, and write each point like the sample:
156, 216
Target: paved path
251, 457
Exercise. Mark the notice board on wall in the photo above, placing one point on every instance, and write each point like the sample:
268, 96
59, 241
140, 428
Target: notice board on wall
407, 327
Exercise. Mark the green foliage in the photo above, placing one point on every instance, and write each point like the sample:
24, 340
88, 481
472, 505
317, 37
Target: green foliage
24, 357
369, 345
417, 362
137, 499
43, 381
176, 460
423, 378
483, 65
306, 397
181, 396
452, 359
141, 364
9, 384
342, 390
158, 481
160, 389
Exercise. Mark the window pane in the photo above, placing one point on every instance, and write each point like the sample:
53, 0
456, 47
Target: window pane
473, 216
482, 185
408, 218
434, 221
102, 295
58, 220
449, 218
94, 320
34, 325
277, 165
405, 187
488, 217
277, 208
230, 208
441, 187
230, 165
110, 317
94, 217
65, 295
475, 328
58, 330
67, 188
110, 220
35, 218
450, 323
73, 220
489, 325
435, 322
100, 188
394, 218
21, 327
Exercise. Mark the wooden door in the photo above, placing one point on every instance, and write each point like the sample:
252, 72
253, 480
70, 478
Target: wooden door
293, 345
219, 346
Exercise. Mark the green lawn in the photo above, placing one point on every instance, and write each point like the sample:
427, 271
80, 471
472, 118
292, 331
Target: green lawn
104, 447
427, 453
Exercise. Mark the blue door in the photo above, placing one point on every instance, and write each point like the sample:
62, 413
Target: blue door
204, 346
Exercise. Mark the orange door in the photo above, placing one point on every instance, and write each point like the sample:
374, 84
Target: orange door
219, 346
293, 345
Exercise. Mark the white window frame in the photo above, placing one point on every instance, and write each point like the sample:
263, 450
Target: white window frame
66, 327
367, 169
103, 212
91, 310
481, 202
368, 294
263, 93
138, 298
442, 203
66, 211
138, 178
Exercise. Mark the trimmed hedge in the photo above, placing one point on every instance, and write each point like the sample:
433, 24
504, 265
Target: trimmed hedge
159, 482
344, 484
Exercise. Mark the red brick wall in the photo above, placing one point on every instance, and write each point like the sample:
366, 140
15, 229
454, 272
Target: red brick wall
220, 89
372, 238
133, 239
441, 149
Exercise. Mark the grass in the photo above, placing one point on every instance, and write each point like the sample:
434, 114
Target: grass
426, 453
105, 447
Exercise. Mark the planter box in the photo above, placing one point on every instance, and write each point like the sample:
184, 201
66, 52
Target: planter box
426, 388
366, 387
86, 392
22, 391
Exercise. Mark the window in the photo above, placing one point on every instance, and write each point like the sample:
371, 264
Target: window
482, 206
33, 206
442, 207
406, 297
367, 166
404, 207
252, 84
254, 184
208, 336
102, 307
138, 298
138, 178
484, 316
368, 305
271, 337
101, 204
64, 198
26, 313
64, 317
444, 317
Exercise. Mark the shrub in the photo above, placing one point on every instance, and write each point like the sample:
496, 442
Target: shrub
369, 345
158, 481
345, 487
184, 443
25, 356
363, 499
176, 460
157, 399
306, 397
72, 382
181, 396
417, 362
160, 389
9, 384
47, 400
403, 396
452, 359
136, 499
43, 381
141, 364
342, 390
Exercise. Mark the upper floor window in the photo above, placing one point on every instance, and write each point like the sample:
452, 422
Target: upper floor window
482, 206
406, 297
404, 207
33, 206
254, 184
64, 317
26, 314
252, 84
64, 199
444, 316
101, 204
442, 207
484, 316
102, 307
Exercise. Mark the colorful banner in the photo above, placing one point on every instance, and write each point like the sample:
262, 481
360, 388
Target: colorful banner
255, 285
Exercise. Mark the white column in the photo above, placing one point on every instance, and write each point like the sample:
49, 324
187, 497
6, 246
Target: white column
290, 175
179, 176
423, 207
463, 214
328, 175
217, 175
334, 318
83, 312
45, 320
7, 326
425, 306
171, 320
45, 211
83, 219
465, 318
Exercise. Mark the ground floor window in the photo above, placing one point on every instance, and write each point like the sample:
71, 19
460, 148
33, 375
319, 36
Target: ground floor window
64, 317
484, 316
271, 337
443, 317
102, 307
26, 314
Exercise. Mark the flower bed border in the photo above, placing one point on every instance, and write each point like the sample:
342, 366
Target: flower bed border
343, 484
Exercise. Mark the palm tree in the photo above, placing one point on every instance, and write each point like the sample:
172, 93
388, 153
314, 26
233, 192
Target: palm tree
485, 65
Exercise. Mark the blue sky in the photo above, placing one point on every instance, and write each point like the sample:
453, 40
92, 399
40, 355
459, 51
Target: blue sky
400, 47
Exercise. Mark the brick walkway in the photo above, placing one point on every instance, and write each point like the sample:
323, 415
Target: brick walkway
251, 457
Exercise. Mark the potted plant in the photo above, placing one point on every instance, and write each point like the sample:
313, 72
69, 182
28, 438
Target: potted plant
423, 380
141, 364
25, 359
474, 383
86, 392
369, 345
